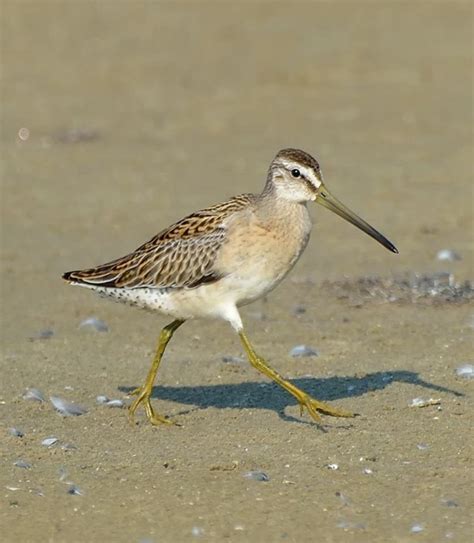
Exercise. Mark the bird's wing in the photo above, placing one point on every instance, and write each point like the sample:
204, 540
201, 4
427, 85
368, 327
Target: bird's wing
181, 256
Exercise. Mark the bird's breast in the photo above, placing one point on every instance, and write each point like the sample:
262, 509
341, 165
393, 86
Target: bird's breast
259, 252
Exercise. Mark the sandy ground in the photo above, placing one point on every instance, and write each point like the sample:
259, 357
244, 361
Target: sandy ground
139, 112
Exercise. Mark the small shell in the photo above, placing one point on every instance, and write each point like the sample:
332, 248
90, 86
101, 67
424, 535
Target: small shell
96, 324
421, 402
49, 441
15, 432
103, 400
67, 408
33, 394
448, 255
465, 371
257, 476
300, 351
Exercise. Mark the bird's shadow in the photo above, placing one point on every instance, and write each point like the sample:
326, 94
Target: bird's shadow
263, 395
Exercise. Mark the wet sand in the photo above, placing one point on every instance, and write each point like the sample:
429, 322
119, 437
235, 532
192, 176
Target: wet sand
138, 113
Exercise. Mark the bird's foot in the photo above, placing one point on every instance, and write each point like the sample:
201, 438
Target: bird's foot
315, 407
143, 398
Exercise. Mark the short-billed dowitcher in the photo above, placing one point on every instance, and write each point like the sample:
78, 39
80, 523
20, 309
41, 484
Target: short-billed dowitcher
214, 261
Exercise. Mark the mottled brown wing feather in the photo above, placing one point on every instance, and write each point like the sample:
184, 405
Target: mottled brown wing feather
181, 256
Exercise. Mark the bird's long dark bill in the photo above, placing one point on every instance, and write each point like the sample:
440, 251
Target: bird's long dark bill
326, 199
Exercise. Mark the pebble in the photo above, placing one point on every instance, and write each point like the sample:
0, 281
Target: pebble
422, 446
299, 310
449, 502
33, 394
67, 408
300, 351
465, 371
43, 334
333, 467
448, 255
22, 464
15, 432
229, 359
257, 476
74, 490
94, 323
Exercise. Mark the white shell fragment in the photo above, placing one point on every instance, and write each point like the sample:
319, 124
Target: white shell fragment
417, 528
422, 402
257, 476
33, 394
465, 371
300, 351
448, 255
103, 400
67, 408
333, 467
49, 441
94, 324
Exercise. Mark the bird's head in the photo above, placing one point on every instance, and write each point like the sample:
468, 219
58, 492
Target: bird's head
296, 176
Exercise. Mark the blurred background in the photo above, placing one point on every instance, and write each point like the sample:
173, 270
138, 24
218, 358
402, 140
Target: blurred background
119, 117
134, 113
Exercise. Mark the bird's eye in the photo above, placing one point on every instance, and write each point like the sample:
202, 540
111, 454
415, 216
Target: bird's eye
295, 173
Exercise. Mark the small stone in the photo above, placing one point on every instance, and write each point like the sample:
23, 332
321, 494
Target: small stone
43, 334
22, 464
300, 351
74, 490
368, 471
465, 371
101, 400
229, 359
299, 310
449, 502
448, 255
257, 476
15, 432
93, 323
422, 446
333, 467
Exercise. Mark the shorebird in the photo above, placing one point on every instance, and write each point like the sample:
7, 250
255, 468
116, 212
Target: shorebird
218, 259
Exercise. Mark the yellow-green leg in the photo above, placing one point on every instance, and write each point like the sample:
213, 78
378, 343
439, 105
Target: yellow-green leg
304, 400
143, 393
